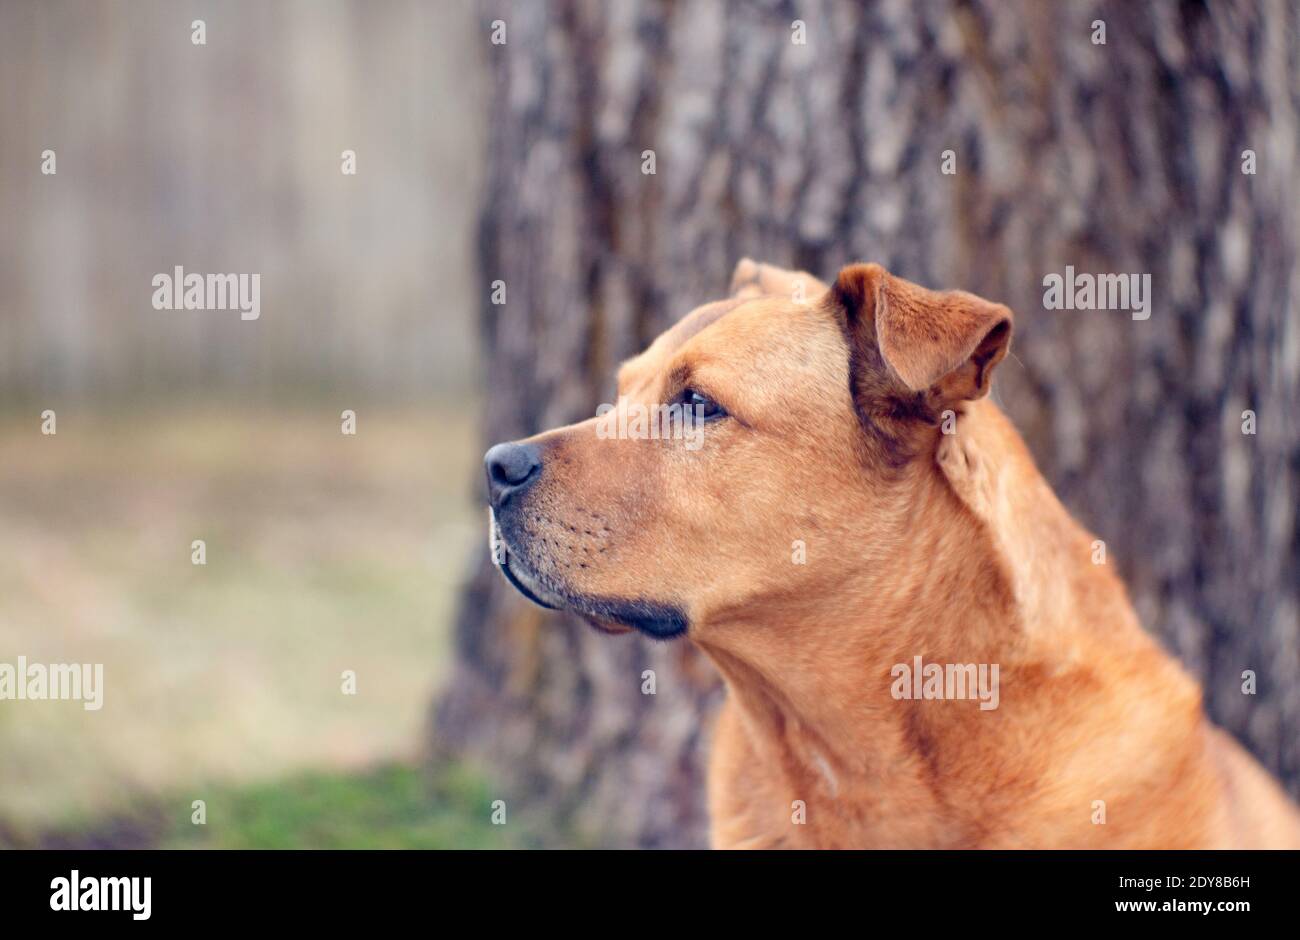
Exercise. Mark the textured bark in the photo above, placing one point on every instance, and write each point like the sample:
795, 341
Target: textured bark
1123, 157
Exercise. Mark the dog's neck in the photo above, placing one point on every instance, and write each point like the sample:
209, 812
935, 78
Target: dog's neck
984, 534
819, 703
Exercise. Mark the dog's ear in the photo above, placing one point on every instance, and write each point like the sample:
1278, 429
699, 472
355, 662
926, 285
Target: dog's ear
751, 279
942, 343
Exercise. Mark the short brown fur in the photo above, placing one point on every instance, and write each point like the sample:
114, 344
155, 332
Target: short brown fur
950, 546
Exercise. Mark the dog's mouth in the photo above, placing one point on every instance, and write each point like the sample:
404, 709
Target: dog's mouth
527, 584
530, 587
518, 574
610, 616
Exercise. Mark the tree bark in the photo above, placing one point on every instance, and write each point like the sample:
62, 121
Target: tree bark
1125, 157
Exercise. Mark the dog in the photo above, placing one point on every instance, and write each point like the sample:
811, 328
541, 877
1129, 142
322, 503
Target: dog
856, 507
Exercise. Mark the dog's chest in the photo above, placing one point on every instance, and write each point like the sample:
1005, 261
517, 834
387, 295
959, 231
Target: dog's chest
787, 793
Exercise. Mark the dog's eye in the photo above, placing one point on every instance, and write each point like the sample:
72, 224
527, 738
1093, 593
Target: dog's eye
705, 408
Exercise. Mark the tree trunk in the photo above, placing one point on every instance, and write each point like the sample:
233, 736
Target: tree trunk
1125, 157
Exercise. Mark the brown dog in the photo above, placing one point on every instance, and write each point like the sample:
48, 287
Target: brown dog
860, 541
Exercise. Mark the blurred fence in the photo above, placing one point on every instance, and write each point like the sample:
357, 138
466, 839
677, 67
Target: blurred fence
226, 157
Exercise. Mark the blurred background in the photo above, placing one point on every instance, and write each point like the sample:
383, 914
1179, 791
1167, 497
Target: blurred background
325, 552
508, 141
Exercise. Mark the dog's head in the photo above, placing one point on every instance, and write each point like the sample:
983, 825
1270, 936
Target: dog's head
762, 454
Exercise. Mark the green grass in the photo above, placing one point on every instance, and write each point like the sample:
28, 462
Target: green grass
392, 806
325, 553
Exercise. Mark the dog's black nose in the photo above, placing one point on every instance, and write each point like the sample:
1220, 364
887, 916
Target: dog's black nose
510, 468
